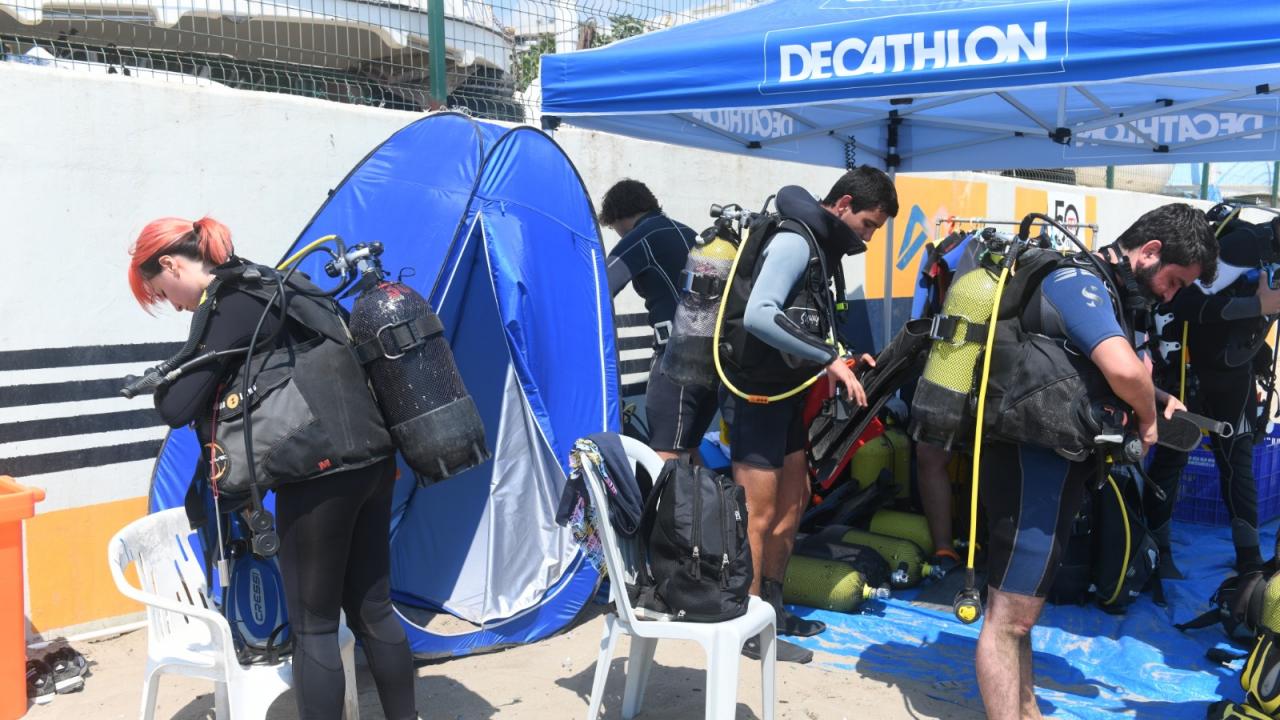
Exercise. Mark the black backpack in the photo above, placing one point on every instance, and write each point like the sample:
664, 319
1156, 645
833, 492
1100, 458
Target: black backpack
694, 533
1120, 576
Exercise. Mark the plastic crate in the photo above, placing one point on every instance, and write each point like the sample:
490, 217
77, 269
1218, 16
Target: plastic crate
1199, 499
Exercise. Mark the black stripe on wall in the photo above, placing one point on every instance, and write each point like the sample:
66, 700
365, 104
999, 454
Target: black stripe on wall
28, 465
636, 342
630, 320
631, 367
79, 425
70, 391
628, 390
86, 355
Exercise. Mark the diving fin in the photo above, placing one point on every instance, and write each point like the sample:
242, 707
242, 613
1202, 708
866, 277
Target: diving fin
1184, 430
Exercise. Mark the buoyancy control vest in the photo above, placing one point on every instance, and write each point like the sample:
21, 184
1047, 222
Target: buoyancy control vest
313, 411
1041, 391
748, 364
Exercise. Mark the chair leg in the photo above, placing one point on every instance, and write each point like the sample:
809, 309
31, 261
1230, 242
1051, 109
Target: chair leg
150, 689
638, 665
722, 678
221, 701
768, 666
607, 642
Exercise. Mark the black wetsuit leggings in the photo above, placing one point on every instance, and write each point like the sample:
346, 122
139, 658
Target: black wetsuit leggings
1229, 397
335, 555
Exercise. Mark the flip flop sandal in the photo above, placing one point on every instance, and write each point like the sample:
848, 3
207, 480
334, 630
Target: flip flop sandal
39, 681
68, 670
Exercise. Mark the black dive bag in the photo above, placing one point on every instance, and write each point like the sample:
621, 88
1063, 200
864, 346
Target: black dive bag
313, 412
694, 533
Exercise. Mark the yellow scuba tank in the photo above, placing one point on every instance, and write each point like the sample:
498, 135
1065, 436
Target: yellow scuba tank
688, 357
826, 584
906, 559
941, 404
903, 525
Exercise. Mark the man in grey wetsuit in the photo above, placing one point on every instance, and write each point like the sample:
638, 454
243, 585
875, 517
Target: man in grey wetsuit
767, 440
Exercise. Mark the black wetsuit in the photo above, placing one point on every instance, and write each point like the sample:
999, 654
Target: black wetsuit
335, 550
1223, 393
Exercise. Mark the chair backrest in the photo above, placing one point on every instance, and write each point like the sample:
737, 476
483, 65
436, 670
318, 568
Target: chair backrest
169, 567
610, 543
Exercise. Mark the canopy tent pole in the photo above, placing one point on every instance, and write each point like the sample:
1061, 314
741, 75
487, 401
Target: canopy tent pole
888, 270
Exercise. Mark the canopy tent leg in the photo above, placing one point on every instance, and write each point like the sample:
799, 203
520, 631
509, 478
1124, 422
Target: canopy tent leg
888, 271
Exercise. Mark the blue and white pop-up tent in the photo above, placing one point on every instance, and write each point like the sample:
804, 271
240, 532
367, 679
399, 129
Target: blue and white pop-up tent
494, 226
919, 85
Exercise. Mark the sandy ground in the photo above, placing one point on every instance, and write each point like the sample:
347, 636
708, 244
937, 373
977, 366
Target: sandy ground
550, 679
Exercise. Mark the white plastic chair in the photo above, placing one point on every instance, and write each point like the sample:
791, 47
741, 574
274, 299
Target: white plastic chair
186, 636
722, 641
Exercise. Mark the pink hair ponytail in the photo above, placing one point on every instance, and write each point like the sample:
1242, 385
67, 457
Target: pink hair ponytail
215, 240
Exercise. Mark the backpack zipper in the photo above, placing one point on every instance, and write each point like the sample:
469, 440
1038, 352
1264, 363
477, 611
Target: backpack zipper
724, 537
697, 527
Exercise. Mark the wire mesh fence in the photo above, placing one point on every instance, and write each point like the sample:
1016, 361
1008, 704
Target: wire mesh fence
368, 52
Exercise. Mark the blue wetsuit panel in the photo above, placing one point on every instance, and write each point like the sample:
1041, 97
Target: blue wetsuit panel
1075, 305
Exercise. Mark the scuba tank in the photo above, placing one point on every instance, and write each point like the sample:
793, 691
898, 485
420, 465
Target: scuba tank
688, 356
941, 403
400, 341
885, 452
905, 526
826, 584
904, 557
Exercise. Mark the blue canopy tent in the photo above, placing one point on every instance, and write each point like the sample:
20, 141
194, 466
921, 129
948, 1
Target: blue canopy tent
920, 85
494, 227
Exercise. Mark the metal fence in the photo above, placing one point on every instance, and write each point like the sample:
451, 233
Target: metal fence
1249, 183
368, 52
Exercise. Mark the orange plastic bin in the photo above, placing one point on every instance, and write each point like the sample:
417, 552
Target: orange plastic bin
16, 503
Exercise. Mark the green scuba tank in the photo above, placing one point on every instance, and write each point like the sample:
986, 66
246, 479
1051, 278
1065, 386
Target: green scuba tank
688, 357
940, 408
903, 525
905, 558
887, 451
826, 584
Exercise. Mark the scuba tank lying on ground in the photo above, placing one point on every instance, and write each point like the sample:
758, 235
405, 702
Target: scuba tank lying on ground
293, 395
906, 560
827, 545
827, 584
688, 356
905, 526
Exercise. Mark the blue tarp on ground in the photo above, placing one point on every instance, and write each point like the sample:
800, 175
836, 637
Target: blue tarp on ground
1089, 665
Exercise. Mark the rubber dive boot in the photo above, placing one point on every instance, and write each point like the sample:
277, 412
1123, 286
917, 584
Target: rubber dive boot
1245, 537
787, 652
1167, 569
945, 560
788, 622
1248, 559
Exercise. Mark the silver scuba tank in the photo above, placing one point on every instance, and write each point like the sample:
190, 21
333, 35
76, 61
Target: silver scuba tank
400, 341
688, 358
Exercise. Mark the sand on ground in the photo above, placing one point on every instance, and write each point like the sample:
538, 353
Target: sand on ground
548, 679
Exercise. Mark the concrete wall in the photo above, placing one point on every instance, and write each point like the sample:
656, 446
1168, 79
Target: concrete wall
90, 159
